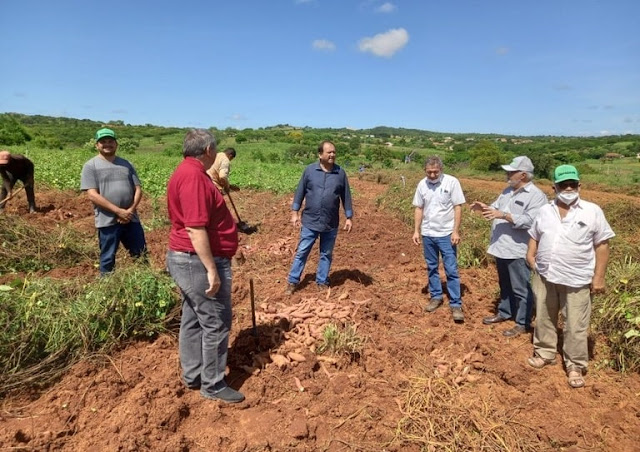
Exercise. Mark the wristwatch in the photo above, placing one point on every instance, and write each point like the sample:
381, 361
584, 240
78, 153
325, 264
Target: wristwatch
504, 215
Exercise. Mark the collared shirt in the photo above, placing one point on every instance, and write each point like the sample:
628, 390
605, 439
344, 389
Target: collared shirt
437, 200
510, 240
322, 192
566, 247
193, 201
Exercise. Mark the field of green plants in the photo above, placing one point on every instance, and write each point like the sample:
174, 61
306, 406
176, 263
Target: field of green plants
61, 169
80, 317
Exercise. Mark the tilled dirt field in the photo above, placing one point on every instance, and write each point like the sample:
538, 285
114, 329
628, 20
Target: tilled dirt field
421, 382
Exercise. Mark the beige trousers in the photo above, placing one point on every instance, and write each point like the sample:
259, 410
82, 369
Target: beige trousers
575, 305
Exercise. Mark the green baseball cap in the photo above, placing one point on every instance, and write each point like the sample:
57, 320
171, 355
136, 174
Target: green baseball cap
565, 172
102, 133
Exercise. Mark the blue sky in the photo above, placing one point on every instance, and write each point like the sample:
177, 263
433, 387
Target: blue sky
546, 67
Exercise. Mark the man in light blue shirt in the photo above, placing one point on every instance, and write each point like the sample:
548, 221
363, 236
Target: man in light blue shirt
322, 187
512, 215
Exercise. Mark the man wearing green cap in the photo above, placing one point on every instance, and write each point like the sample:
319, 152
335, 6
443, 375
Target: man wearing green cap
568, 253
112, 185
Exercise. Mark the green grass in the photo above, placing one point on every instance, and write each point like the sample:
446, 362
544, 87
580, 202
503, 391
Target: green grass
48, 324
61, 169
616, 314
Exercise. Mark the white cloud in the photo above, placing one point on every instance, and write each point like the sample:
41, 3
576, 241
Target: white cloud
238, 117
385, 44
605, 132
502, 50
386, 8
323, 44
299, 2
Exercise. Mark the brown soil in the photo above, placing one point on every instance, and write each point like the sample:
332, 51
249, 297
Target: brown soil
134, 400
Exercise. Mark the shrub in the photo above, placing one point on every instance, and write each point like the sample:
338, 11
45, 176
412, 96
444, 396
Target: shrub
617, 315
49, 324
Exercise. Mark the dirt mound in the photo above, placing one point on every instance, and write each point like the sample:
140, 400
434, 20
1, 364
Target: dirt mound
416, 371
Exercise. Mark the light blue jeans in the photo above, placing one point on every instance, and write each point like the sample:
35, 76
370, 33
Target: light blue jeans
205, 322
307, 239
516, 297
433, 247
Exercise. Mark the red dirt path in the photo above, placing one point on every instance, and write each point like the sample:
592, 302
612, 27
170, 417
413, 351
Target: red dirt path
134, 400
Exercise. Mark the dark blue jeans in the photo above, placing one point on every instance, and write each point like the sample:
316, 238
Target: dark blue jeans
307, 239
516, 297
205, 323
130, 235
433, 247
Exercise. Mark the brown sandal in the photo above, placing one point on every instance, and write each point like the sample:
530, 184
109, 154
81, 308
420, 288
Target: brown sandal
575, 378
539, 362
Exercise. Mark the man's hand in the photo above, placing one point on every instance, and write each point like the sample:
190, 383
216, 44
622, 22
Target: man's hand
492, 214
455, 238
348, 225
295, 219
597, 285
125, 214
416, 238
477, 206
214, 282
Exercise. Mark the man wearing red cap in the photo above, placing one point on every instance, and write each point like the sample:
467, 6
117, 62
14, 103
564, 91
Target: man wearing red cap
13, 168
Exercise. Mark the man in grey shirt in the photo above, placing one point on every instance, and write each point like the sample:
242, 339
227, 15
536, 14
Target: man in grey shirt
112, 185
512, 215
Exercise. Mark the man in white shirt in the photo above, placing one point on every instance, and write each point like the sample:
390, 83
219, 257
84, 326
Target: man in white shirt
438, 212
512, 215
569, 251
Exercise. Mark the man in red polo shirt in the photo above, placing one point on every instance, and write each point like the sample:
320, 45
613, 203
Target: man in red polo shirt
202, 241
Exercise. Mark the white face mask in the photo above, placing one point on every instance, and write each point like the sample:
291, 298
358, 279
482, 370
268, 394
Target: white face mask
567, 197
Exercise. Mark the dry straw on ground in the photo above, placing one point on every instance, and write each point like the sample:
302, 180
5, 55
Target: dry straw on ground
439, 415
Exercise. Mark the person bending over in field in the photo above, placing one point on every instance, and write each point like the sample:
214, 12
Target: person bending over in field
112, 185
14, 167
219, 171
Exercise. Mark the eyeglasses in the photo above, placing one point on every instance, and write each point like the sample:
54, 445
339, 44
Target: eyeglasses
568, 183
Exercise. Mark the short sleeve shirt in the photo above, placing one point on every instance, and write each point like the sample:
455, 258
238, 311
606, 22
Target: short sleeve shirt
115, 181
566, 253
510, 240
437, 201
193, 201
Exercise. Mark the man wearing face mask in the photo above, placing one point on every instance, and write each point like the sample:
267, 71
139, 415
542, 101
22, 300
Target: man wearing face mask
568, 251
512, 215
437, 216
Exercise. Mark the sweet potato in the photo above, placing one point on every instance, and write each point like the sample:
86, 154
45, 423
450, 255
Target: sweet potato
296, 357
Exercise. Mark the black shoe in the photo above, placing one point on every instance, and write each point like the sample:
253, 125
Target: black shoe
493, 319
515, 331
228, 395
